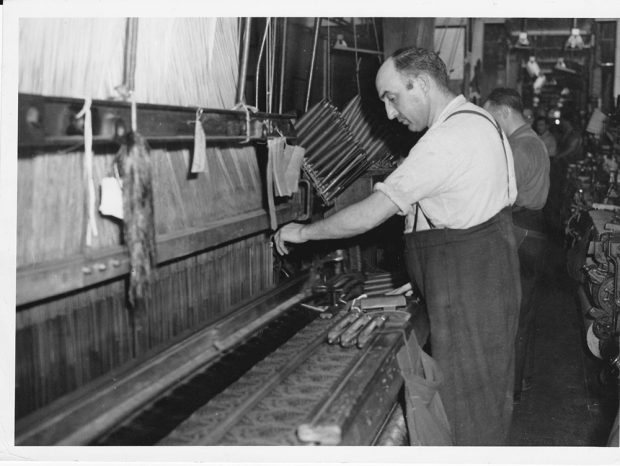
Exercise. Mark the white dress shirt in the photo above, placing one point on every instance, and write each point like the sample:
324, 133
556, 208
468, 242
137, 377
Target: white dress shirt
457, 172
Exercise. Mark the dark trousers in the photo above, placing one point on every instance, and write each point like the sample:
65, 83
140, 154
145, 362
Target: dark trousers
470, 283
532, 246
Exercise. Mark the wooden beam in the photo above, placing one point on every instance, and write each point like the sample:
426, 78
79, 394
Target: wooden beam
44, 280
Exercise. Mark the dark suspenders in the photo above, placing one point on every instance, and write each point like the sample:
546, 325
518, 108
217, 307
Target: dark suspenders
499, 131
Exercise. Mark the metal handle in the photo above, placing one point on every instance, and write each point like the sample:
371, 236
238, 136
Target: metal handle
307, 200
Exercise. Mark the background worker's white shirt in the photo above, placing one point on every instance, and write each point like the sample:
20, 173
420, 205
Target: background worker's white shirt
457, 171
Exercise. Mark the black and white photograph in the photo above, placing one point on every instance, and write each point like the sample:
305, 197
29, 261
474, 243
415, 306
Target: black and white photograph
250, 229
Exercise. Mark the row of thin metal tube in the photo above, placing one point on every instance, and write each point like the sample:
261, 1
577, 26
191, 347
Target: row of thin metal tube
340, 147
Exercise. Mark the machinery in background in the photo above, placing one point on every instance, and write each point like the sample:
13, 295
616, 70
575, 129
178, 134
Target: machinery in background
602, 288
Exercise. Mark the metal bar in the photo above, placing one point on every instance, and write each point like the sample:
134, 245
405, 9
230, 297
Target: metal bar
336, 131
344, 166
317, 25
320, 125
282, 64
240, 97
357, 50
307, 118
113, 120
352, 172
332, 160
331, 145
47, 279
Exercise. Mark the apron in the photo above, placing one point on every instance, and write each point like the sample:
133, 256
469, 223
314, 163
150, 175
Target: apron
469, 279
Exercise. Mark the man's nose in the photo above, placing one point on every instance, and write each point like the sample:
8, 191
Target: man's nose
390, 110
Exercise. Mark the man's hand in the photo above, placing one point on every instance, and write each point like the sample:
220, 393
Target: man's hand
290, 233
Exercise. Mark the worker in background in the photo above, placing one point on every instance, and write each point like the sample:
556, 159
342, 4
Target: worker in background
453, 189
569, 151
541, 126
570, 142
532, 171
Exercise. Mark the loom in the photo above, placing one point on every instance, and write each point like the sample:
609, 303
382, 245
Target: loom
220, 318
341, 146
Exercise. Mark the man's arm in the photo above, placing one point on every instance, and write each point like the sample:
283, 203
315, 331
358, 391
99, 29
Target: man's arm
350, 221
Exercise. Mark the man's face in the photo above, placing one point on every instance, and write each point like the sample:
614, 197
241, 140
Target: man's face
541, 126
404, 97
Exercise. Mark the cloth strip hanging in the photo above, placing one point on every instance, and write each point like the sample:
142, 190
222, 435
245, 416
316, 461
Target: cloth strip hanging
199, 159
273, 145
287, 162
91, 225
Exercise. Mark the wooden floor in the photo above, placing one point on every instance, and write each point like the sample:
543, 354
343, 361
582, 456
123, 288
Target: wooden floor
574, 398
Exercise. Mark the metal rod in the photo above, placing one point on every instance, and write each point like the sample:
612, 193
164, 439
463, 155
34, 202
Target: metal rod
329, 62
319, 150
331, 159
343, 166
282, 64
343, 170
240, 97
317, 25
319, 126
325, 55
314, 114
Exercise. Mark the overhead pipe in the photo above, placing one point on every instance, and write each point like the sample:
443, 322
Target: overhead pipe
317, 25
282, 64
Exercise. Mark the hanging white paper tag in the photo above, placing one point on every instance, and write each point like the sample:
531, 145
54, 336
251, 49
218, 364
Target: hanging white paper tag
111, 197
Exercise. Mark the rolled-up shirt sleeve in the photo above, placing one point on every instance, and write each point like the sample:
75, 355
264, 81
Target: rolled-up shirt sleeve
396, 196
424, 173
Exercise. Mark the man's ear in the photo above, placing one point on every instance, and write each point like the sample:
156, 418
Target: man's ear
424, 82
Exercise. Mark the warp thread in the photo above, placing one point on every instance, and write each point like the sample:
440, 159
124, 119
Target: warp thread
91, 225
139, 220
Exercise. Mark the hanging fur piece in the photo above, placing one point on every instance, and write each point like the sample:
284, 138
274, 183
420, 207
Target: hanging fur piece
139, 222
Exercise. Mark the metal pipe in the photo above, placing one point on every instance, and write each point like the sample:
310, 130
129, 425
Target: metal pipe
329, 144
311, 115
310, 118
343, 170
319, 126
343, 166
332, 159
240, 97
334, 191
317, 25
359, 171
282, 64
329, 62
316, 146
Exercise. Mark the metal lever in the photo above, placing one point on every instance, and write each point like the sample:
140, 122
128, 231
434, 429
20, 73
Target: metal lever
307, 200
